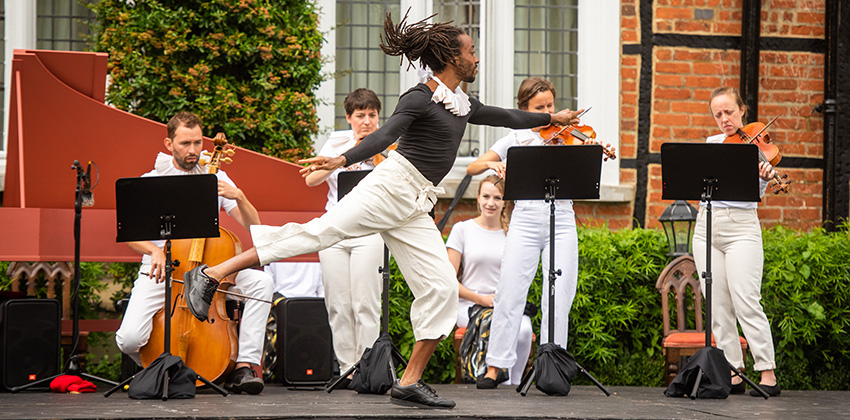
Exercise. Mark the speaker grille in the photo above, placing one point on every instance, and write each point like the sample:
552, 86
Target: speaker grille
304, 342
30, 341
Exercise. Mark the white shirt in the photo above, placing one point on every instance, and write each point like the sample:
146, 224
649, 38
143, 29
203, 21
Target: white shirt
719, 204
297, 279
482, 255
164, 166
338, 143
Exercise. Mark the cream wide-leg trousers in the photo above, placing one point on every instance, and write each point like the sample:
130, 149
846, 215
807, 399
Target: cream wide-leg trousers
527, 241
737, 259
393, 200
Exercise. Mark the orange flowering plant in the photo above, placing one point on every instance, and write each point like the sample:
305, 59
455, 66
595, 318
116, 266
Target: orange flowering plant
248, 68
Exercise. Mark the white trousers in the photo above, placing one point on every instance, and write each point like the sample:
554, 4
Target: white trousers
148, 297
353, 295
528, 238
523, 344
737, 259
393, 200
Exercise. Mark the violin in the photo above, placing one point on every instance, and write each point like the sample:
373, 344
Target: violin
756, 133
380, 157
554, 134
209, 348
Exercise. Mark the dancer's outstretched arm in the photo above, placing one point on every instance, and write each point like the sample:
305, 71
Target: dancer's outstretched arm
239, 262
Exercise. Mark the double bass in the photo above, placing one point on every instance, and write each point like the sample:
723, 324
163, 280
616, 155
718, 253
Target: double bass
209, 348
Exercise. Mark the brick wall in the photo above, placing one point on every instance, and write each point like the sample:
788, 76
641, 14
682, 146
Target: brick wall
790, 83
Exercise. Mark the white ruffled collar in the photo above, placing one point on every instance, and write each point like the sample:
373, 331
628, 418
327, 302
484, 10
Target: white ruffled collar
456, 102
164, 165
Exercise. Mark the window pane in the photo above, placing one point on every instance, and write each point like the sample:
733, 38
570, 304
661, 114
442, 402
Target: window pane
359, 60
63, 25
545, 42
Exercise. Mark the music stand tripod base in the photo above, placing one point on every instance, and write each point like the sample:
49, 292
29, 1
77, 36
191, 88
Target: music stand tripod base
166, 208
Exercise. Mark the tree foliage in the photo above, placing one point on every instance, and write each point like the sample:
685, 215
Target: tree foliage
248, 68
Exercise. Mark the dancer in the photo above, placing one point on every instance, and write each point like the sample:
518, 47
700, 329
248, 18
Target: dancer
528, 236
395, 198
737, 260
185, 142
478, 244
350, 268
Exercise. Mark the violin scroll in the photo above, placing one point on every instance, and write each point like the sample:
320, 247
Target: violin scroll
780, 184
215, 157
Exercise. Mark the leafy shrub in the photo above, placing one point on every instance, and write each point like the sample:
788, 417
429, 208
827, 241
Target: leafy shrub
805, 294
246, 68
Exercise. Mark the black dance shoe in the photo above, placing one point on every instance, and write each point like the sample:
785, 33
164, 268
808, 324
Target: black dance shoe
486, 383
739, 388
200, 289
772, 390
418, 395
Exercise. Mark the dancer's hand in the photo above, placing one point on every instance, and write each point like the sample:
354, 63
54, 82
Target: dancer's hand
566, 117
321, 163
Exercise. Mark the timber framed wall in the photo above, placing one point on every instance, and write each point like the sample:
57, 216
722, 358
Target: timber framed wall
675, 52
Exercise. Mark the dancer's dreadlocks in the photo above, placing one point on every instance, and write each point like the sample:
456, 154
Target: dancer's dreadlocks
435, 44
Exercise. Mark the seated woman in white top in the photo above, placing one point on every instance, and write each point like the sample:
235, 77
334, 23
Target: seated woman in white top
478, 243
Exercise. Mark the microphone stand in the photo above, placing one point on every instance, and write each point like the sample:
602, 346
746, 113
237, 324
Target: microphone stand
73, 366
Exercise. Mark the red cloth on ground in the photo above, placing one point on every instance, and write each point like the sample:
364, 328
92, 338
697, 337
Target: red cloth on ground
71, 383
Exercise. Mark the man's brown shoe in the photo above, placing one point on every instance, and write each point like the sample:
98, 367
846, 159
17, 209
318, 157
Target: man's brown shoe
244, 379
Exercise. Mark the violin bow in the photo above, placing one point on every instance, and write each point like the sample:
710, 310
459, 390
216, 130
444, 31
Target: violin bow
767, 125
227, 292
553, 136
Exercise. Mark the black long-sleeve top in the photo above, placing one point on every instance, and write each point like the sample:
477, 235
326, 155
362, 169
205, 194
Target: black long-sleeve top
429, 135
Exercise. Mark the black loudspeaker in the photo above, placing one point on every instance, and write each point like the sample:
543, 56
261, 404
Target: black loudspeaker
304, 346
29, 341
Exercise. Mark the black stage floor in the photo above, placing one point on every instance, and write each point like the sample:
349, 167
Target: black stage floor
277, 402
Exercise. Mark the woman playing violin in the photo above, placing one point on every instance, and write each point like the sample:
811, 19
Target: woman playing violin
350, 273
738, 258
528, 236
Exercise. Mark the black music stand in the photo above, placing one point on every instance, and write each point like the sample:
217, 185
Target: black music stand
346, 182
706, 172
167, 207
538, 176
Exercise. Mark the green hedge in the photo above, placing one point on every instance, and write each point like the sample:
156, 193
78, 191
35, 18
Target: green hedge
615, 322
